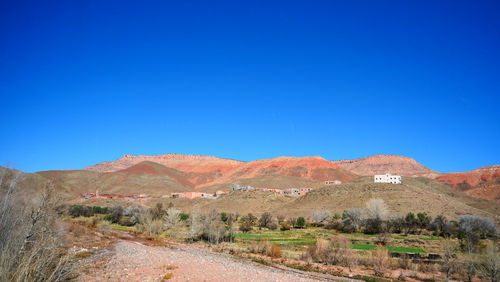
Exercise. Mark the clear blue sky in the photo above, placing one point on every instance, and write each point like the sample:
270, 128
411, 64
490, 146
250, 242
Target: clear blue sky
88, 81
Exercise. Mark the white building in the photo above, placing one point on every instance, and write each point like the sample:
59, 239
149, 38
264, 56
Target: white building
333, 182
237, 187
387, 178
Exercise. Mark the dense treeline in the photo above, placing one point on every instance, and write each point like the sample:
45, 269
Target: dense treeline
373, 219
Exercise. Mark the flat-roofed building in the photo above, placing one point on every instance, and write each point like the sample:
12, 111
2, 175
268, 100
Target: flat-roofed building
387, 178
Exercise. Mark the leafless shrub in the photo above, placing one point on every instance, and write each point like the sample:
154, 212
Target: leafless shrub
427, 267
381, 260
490, 263
30, 245
450, 260
149, 223
468, 266
104, 226
196, 226
211, 228
335, 252
260, 247
171, 218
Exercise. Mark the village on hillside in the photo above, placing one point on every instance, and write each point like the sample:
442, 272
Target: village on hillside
294, 192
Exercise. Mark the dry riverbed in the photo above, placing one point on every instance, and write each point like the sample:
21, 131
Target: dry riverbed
134, 261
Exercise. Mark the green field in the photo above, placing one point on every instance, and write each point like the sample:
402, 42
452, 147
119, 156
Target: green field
406, 250
301, 238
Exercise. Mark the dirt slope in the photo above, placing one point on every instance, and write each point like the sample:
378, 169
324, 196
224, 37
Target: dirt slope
481, 183
381, 164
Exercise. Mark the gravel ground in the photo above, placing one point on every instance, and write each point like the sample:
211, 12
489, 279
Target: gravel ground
134, 261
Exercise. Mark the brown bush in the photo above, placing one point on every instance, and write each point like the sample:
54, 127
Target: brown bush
427, 267
335, 252
274, 251
260, 247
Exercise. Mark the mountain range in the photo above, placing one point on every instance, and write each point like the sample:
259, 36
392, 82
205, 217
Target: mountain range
453, 194
207, 172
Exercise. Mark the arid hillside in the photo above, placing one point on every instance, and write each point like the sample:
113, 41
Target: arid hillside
30, 185
208, 173
416, 194
480, 183
381, 164
312, 168
144, 178
201, 171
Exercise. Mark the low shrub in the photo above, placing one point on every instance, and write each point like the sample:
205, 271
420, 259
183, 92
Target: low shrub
285, 226
274, 252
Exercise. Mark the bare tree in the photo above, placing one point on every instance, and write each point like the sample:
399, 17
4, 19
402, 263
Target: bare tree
31, 247
490, 263
450, 260
265, 220
377, 209
472, 228
320, 217
171, 218
352, 219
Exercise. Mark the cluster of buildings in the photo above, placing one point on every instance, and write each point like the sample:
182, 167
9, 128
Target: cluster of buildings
380, 178
128, 197
193, 195
288, 191
387, 178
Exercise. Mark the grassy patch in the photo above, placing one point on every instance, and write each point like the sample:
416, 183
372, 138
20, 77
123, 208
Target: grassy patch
261, 261
83, 254
252, 235
399, 237
293, 241
122, 228
370, 278
430, 238
364, 247
406, 250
